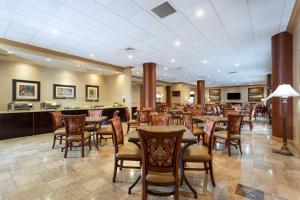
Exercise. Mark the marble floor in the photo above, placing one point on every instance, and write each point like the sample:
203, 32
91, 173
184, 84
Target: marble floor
31, 170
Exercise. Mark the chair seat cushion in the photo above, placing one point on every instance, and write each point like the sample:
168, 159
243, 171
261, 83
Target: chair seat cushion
223, 135
129, 151
60, 131
247, 120
78, 137
90, 128
132, 121
197, 153
105, 130
155, 177
197, 131
220, 128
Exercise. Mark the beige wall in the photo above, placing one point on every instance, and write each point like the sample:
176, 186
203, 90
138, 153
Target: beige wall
136, 95
162, 91
112, 88
184, 92
296, 84
243, 90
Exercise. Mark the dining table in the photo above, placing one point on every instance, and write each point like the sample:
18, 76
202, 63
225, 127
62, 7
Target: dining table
218, 119
188, 139
96, 120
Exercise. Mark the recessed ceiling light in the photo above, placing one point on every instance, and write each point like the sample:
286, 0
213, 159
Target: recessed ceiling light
48, 59
199, 13
165, 68
55, 32
77, 65
237, 64
204, 61
177, 43
10, 52
92, 55
130, 56
219, 71
165, 74
173, 60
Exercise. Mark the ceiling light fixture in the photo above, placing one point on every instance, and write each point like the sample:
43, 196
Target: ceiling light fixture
177, 43
10, 52
130, 56
77, 65
92, 55
165, 68
48, 59
204, 61
237, 64
173, 60
165, 74
55, 32
199, 13
219, 71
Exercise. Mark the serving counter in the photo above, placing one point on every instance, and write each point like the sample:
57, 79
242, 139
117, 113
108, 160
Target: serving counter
25, 123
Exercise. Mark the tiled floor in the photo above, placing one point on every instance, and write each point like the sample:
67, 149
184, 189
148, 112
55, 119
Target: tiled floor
30, 169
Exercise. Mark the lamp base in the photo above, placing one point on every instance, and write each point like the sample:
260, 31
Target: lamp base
283, 151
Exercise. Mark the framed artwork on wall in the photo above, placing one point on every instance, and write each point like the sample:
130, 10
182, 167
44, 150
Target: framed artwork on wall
24, 90
215, 94
175, 93
64, 91
255, 94
92, 93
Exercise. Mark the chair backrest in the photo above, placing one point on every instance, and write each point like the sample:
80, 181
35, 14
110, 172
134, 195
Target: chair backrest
196, 112
215, 110
143, 116
234, 124
116, 113
118, 137
57, 120
75, 125
160, 120
160, 151
218, 110
252, 113
208, 130
230, 112
127, 114
227, 111
188, 120
95, 113
146, 108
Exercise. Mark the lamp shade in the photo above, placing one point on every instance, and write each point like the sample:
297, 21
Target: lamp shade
284, 91
270, 96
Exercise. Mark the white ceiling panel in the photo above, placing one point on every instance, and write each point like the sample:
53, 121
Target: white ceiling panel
229, 32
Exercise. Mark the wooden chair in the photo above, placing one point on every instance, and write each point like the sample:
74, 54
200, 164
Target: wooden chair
160, 159
130, 122
143, 117
128, 152
93, 127
58, 127
75, 132
188, 122
226, 113
250, 119
231, 136
160, 120
201, 154
105, 131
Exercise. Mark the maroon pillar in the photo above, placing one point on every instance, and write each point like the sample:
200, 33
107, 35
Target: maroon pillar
149, 85
282, 73
168, 95
201, 92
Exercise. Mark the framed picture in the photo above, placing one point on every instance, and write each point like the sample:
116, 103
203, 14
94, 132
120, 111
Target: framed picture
26, 90
215, 94
64, 91
92, 93
175, 93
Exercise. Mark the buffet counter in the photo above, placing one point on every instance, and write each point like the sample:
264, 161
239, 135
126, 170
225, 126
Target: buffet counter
34, 122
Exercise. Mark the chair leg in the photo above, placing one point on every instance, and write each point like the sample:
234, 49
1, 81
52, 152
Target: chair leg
176, 196
198, 138
60, 139
214, 142
128, 127
54, 140
82, 148
66, 149
228, 147
121, 165
181, 172
115, 170
90, 143
205, 167
211, 173
144, 190
251, 126
71, 146
240, 146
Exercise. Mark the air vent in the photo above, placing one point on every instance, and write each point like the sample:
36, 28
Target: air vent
232, 72
129, 49
163, 10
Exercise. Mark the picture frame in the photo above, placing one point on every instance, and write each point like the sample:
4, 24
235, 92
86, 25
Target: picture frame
215, 95
175, 93
92, 93
255, 94
64, 91
26, 90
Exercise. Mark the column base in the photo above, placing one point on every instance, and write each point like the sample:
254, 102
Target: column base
284, 150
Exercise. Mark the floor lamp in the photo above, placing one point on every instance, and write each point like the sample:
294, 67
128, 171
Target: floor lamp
284, 91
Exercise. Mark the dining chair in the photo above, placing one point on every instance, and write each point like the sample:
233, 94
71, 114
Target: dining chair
160, 120
58, 127
231, 136
105, 131
200, 154
122, 152
227, 112
143, 117
188, 122
75, 132
250, 119
93, 127
131, 123
160, 161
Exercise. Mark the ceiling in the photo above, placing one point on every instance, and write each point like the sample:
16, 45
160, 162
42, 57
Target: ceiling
204, 39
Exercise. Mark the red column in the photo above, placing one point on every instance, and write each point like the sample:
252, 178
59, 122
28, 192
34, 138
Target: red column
282, 73
149, 85
201, 92
168, 95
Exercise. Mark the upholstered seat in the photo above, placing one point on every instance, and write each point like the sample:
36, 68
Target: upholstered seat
220, 128
224, 135
163, 178
105, 130
197, 131
86, 136
60, 131
90, 128
197, 153
247, 119
129, 151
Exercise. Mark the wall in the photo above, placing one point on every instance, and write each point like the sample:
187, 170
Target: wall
162, 91
184, 92
112, 88
243, 90
136, 92
296, 84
